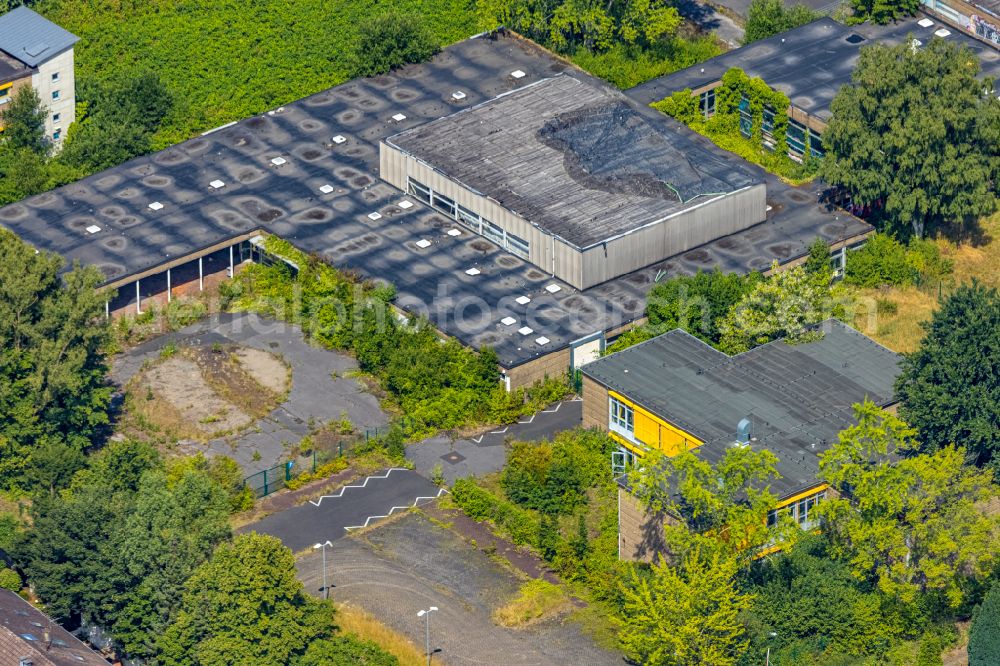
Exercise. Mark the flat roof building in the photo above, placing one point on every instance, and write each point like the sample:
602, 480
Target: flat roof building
676, 393
572, 176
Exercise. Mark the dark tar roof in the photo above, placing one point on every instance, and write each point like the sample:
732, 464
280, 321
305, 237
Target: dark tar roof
32, 38
29, 625
809, 63
797, 397
12, 69
575, 158
432, 281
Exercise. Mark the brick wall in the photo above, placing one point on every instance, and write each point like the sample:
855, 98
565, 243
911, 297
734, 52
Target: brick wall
640, 533
551, 365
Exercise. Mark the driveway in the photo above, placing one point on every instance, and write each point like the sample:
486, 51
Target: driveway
358, 505
320, 392
411, 564
486, 452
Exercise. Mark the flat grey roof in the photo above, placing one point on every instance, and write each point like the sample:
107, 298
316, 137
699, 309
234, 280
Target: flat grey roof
573, 157
430, 281
32, 38
809, 63
798, 397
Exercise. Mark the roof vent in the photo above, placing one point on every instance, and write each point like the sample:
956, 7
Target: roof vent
339, 139
458, 95
472, 271
93, 229
854, 38
517, 74
744, 429
525, 330
36, 49
375, 216
522, 300
326, 189
542, 340
454, 232
553, 288
508, 321
943, 32
423, 243
404, 204
216, 184
399, 117
925, 23
278, 161
156, 205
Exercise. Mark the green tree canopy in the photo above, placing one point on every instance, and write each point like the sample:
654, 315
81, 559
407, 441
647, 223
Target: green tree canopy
884, 11
818, 259
684, 616
391, 40
52, 369
769, 17
912, 526
24, 122
699, 302
984, 635
950, 386
784, 305
915, 137
245, 606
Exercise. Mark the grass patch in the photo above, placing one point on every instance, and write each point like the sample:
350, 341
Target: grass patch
597, 620
264, 53
538, 600
357, 622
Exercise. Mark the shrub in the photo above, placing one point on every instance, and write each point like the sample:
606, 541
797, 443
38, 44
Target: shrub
519, 525
681, 105
389, 41
10, 580
885, 261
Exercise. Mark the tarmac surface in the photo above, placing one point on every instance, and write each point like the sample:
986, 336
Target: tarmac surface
316, 396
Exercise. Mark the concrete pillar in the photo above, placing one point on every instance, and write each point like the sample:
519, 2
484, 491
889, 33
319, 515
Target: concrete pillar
201, 278
231, 266
138, 299
169, 290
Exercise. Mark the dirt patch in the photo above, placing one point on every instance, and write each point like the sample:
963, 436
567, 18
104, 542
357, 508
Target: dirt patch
200, 393
267, 369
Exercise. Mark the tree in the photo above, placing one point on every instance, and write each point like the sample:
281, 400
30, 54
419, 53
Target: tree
984, 635
913, 527
914, 137
698, 303
52, 368
391, 40
818, 259
717, 511
345, 651
884, 11
784, 305
52, 465
24, 122
684, 616
950, 387
770, 17
245, 606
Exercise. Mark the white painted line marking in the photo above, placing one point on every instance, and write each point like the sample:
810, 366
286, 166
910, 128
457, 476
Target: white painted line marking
362, 485
368, 520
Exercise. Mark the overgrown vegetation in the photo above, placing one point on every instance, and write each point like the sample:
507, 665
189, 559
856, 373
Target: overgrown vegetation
770, 17
625, 66
537, 600
885, 261
767, 145
390, 40
436, 383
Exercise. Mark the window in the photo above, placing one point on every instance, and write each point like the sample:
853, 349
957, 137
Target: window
56, 117
767, 126
419, 190
622, 418
706, 102
796, 137
517, 246
493, 232
469, 219
55, 76
815, 143
746, 120
57, 135
444, 204
55, 94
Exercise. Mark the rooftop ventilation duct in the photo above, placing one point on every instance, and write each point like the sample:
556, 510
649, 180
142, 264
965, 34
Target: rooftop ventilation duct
744, 430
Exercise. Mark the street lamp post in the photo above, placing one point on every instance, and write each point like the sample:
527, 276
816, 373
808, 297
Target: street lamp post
767, 659
426, 614
322, 547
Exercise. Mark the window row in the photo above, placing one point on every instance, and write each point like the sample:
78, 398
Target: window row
474, 221
802, 512
621, 418
799, 138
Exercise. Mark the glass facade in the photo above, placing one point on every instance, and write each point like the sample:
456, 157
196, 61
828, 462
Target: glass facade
802, 512
706, 102
621, 418
475, 222
796, 138
746, 120
815, 143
